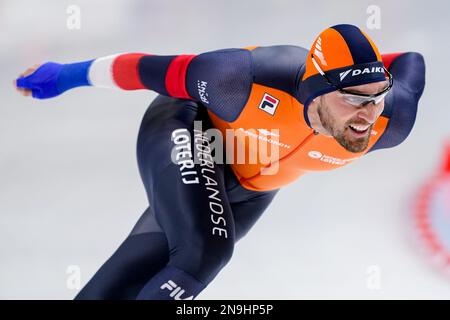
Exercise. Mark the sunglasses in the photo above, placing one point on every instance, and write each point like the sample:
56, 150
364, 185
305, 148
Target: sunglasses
356, 98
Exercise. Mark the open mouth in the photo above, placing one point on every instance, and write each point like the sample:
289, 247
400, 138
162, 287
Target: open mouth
359, 130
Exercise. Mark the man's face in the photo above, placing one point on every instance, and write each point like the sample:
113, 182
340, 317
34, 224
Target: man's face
341, 119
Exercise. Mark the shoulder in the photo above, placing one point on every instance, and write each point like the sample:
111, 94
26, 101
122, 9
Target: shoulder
407, 68
221, 80
278, 66
279, 54
401, 104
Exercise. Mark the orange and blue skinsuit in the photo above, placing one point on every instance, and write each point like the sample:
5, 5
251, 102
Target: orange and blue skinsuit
198, 211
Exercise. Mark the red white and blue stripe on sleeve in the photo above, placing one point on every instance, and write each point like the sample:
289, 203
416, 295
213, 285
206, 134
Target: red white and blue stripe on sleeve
133, 71
221, 79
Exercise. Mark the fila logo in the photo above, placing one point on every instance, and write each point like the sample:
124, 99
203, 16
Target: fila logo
269, 104
357, 72
177, 292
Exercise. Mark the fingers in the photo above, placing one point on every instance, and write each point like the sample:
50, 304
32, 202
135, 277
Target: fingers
22, 91
30, 70
21, 84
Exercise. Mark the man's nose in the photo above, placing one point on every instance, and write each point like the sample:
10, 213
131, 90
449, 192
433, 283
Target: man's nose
369, 112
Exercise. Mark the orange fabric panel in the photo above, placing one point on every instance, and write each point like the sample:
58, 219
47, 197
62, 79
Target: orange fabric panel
299, 150
331, 44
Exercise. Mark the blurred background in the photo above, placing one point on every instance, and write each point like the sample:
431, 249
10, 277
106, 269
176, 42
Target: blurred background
70, 190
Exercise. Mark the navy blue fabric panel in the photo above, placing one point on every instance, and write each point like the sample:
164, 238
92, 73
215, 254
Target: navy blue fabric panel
176, 229
278, 66
152, 71
401, 104
409, 69
187, 221
360, 48
221, 80
127, 271
317, 85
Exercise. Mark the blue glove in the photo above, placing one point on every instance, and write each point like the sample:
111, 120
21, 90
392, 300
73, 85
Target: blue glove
51, 79
43, 81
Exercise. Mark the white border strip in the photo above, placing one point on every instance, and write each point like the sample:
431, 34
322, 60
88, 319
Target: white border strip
100, 72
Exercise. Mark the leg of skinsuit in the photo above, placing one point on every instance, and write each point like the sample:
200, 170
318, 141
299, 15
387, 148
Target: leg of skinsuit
145, 251
247, 205
189, 201
246, 213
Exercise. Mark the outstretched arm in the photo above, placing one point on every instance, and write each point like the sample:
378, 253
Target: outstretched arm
220, 79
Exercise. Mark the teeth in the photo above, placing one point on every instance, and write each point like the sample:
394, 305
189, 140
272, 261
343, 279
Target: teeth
360, 128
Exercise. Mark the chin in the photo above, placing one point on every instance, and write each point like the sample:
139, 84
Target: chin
353, 146
356, 150
357, 147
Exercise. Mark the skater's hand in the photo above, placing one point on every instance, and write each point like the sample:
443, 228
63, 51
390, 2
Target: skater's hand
23, 91
39, 81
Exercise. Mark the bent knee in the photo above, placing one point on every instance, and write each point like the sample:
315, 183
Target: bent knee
203, 260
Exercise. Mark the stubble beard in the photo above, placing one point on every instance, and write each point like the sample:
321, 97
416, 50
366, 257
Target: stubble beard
340, 135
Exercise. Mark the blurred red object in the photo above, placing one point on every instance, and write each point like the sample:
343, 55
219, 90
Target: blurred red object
446, 162
432, 212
